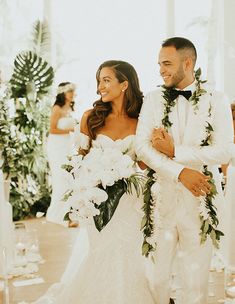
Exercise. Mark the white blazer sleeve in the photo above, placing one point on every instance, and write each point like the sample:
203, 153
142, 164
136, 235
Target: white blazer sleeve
145, 152
222, 148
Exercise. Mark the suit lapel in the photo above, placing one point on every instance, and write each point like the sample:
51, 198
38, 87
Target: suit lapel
196, 122
174, 130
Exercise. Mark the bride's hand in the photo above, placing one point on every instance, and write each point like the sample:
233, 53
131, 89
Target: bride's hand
163, 142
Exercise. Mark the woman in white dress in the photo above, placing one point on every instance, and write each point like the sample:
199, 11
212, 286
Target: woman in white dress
113, 271
59, 146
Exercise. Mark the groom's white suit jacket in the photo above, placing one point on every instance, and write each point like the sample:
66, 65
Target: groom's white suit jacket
188, 151
188, 131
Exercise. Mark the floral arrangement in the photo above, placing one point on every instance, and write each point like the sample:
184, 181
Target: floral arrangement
23, 126
207, 210
98, 181
9, 143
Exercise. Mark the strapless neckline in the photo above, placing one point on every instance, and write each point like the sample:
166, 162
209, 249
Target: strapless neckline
125, 145
116, 140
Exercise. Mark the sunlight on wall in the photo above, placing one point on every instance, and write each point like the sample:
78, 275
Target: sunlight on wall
91, 32
16, 23
203, 24
95, 31
192, 21
86, 33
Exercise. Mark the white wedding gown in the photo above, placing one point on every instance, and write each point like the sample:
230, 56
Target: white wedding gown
59, 146
113, 270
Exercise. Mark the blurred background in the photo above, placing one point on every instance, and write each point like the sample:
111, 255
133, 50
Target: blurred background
45, 42
83, 34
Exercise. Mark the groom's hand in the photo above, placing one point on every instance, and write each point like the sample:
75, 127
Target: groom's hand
163, 142
195, 182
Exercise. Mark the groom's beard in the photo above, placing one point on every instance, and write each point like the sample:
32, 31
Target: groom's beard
176, 78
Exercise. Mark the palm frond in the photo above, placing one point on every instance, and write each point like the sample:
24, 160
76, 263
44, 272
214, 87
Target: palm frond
31, 68
41, 38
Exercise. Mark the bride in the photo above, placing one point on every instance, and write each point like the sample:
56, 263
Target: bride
113, 271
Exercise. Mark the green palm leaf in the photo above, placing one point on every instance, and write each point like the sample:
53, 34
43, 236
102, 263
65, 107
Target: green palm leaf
31, 68
41, 38
107, 208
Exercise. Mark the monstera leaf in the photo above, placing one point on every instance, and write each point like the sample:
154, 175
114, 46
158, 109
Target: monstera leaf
31, 69
107, 208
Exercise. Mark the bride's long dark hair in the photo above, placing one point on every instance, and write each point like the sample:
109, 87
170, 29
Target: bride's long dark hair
133, 96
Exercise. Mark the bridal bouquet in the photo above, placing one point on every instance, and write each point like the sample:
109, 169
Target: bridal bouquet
98, 181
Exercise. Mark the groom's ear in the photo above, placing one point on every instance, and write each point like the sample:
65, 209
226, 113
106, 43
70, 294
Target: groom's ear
188, 62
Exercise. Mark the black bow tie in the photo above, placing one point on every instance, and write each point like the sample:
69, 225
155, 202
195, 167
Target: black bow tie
175, 93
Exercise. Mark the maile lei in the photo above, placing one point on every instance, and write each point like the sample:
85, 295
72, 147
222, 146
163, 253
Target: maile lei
207, 210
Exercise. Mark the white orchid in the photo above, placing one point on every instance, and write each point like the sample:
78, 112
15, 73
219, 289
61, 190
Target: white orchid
90, 175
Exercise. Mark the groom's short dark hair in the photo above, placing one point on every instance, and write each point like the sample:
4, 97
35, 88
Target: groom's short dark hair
180, 43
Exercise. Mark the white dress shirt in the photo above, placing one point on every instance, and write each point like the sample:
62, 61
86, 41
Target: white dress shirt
182, 107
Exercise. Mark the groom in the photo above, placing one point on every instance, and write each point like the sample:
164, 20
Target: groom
172, 139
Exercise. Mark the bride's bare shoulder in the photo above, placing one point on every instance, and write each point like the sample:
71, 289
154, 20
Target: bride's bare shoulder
83, 123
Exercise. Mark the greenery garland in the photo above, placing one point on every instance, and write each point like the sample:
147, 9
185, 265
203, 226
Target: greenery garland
209, 221
147, 223
169, 104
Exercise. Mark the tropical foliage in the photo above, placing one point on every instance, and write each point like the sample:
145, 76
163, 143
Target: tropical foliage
23, 134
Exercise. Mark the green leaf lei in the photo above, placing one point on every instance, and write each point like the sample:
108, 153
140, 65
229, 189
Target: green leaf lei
147, 223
